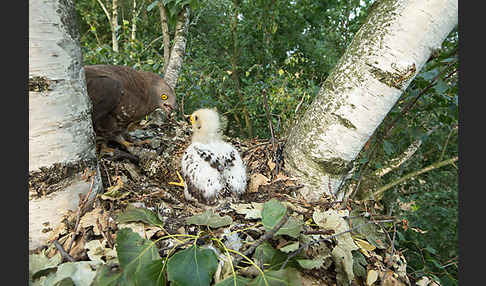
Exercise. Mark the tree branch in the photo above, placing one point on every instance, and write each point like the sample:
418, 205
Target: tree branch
178, 49
405, 156
165, 34
381, 190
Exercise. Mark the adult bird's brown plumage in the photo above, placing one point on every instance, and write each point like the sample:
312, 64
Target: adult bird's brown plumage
121, 95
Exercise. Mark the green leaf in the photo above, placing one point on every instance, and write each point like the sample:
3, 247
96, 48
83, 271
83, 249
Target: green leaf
290, 247
135, 254
273, 211
65, 282
152, 274
139, 214
106, 277
209, 218
70, 273
152, 5
39, 262
291, 228
284, 277
192, 266
271, 256
441, 86
230, 281
388, 147
311, 263
429, 75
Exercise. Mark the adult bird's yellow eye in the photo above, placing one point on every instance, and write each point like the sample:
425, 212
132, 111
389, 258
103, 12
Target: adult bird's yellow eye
163, 96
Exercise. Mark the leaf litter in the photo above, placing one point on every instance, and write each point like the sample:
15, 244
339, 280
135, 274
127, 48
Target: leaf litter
141, 228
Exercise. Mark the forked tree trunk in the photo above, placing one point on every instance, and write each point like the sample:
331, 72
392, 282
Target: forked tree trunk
384, 57
61, 137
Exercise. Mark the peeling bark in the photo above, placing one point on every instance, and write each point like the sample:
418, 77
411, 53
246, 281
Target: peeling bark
61, 137
178, 49
384, 57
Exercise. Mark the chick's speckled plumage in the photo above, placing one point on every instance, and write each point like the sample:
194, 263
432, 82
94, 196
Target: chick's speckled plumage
210, 166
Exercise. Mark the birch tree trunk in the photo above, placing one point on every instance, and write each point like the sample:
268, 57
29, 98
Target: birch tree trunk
61, 137
113, 20
384, 57
134, 20
178, 49
114, 24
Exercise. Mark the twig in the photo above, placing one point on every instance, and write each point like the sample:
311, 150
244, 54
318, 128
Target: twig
393, 239
263, 238
327, 238
413, 174
446, 142
100, 228
107, 175
80, 208
61, 250
258, 145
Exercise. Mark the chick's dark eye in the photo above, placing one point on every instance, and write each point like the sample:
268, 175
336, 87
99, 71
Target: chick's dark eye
195, 117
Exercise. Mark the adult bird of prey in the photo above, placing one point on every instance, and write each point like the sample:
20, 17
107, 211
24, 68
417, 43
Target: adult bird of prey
121, 95
211, 168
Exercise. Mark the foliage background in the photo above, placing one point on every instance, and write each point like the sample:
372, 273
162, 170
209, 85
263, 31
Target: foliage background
237, 49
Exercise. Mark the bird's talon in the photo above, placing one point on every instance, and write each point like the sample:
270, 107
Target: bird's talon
181, 181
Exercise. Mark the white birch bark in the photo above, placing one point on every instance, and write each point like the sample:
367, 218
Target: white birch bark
384, 57
114, 24
178, 49
134, 20
60, 128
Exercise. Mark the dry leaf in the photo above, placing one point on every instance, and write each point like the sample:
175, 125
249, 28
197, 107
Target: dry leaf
256, 180
271, 165
424, 281
371, 277
251, 211
89, 219
364, 246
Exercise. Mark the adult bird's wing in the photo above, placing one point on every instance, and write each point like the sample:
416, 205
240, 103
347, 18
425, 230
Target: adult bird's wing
104, 91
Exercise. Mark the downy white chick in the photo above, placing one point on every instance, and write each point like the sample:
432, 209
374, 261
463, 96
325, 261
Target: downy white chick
211, 168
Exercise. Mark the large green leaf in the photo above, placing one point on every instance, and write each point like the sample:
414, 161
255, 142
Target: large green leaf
106, 277
273, 211
193, 266
284, 277
230, 281
139, 214
139, 258
39, 262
